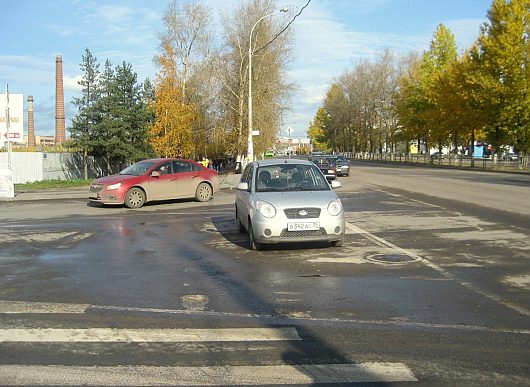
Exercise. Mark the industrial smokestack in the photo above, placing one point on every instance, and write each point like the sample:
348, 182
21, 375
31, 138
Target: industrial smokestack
31, 123
60, 136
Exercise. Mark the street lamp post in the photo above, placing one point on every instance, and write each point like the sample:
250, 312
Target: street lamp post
250, 141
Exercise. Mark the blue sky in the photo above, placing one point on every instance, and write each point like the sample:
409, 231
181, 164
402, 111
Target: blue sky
330, 36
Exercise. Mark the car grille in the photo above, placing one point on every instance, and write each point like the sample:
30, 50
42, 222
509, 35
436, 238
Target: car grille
294, 213
303, 233
96, 188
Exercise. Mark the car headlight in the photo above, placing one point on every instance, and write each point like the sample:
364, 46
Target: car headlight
335, 207
266, 209
113, 186
331, 171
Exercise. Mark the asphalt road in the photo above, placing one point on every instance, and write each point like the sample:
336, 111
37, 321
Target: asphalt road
431, 287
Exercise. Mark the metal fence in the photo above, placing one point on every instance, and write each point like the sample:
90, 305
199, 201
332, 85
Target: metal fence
493, 163
37, 166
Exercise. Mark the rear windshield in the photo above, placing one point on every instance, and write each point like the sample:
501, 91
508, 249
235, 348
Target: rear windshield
323, 160
290, 177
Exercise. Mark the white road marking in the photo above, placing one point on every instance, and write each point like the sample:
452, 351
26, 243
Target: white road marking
382, 242
112, 335
206, 376
71, 236
521, 281
62, 308
494, 297
40, 307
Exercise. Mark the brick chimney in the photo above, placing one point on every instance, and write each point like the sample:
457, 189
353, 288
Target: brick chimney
60, 136
31, 123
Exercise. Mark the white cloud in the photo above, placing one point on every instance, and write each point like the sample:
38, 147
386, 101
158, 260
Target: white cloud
71, 83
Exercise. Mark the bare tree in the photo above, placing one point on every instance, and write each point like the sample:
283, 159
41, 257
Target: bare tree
271, 53
188, 32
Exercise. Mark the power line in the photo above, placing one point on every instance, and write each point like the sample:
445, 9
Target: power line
285, 28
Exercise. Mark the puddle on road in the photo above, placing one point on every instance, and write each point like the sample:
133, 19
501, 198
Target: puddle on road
59, 255
194, 302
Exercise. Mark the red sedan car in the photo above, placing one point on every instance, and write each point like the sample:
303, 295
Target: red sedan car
156, 179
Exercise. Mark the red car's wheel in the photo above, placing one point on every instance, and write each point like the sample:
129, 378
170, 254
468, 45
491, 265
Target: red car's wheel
134, 198
203, 193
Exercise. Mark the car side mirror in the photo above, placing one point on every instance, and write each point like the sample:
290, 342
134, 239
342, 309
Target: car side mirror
155, 174
335, 184
243, 186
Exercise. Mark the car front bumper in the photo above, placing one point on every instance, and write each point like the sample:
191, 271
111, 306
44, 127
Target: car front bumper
103, 196
274, 230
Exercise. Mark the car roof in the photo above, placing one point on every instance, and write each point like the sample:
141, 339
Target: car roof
157, 160
261, 163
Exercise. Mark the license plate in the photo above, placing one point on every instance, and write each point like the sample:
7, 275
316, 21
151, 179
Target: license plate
300, 226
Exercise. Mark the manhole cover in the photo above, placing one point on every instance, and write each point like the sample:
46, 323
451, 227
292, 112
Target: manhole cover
391, 258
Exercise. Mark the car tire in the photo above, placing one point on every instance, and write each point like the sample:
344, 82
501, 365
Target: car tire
338, 243
252, 244
203, 193
134, 198
240, 227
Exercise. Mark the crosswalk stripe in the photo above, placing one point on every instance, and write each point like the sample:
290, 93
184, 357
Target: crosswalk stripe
12, 307
206, 376
111, 335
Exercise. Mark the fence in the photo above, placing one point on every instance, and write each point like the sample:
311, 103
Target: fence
37, 166
494, 163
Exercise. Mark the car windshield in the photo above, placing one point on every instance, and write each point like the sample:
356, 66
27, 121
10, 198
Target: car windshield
290, 177
323, 160
137, 169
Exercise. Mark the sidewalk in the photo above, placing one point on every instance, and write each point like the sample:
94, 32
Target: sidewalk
227, 181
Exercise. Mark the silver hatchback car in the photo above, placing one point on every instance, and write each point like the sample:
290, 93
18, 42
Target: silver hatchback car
283, 201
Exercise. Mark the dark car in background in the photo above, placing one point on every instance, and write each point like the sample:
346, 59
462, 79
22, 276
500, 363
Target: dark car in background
327, 165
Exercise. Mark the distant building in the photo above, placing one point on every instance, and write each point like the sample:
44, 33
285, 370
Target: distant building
41, 140
292, 144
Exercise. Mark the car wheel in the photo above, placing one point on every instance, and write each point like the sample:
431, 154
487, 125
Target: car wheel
240, 227
134, 198
203, 193
253, 245
338, 243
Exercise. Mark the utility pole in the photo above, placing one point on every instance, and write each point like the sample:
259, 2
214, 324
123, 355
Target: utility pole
9, 165
6, 175
250, 141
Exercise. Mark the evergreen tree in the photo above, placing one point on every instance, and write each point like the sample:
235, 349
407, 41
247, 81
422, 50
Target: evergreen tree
83, 125
113, 113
